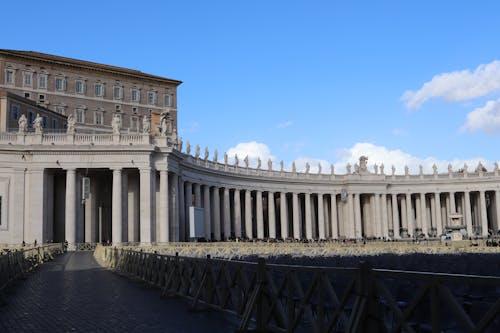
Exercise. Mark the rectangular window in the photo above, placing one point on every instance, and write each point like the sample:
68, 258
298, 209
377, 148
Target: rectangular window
41, 98
168, 100
80, 116
54, 123
31, 117
9, 77
27, 95
27, 79
134, 110
60, 84
60, 110
98, 90
79, 87
44, 122
135, 95
98, 118
117, 92
42, 81
151, 97
118, 108
14, 109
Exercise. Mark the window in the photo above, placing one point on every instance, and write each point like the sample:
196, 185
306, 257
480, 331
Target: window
41, 98
80, 87
14, 110
31, 117
118, 108
60, 83
27, 76
98, 90
134, 124
44, 122
54, 123
27, 95
168, 100
98, 118
42, 81
117, 92
135, 95
151, 97
60, 110
134, 110
9, 76
80, 116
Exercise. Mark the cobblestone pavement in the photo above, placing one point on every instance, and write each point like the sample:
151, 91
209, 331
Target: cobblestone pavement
74, 294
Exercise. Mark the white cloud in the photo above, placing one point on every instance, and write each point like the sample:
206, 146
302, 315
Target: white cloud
285, 124
398, 158
457, 85
486, 118
254, 150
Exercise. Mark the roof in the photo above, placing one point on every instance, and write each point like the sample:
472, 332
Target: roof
31, 55
4, 93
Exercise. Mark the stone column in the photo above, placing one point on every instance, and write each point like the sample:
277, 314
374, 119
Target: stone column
260, 214
404, 221
237, 213
227, 214
216, 212
117, 207
423, 215
409, 216
206, 211
333, 218
384, 224
309, 233
378, 218
484, 217
497, 210
248, 214
70, 212
284, 216
395, 216
453, 207
357, 215
197, 195
147, 207
164, 225
296, 222
351, 231
321, 217
439, 223
188, 195
271, 215
178, 209
468, 214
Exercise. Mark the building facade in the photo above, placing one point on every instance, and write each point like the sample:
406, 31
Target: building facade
122, 186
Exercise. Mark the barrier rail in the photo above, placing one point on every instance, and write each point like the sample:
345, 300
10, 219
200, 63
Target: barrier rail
15, 264
289, 298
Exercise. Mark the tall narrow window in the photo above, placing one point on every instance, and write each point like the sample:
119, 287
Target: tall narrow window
60, 83
135, 95
80, 87
42, 81
168, 100
27, 78
98, 118
9, 76
98, 90
80, 116
60, 110
117, 92
151, 97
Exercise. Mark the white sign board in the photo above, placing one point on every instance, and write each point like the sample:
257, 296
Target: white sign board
196, 225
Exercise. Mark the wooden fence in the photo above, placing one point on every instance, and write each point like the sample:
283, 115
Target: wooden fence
286, 298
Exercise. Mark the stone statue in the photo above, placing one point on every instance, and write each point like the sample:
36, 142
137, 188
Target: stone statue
348, 168
450, 168
216, 156
393, 170
179, 144
407, 171
116, 124
294, 168
245, 160
165, 123
363, 164
435, 169
225, 158
236, 160
375, 168
269, 165
421, 169
197, 152
146, 127
38, 124
188, 148
319, 168
307, 167
356, 168
71, 122
259, 163
332, 169
382, 168
23, 124
466, 167
495, 167
206, 154
480, 168
281, 166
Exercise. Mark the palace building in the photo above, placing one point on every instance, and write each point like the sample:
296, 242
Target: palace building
117, 171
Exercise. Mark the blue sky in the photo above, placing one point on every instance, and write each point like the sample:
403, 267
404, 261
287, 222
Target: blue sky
319, 81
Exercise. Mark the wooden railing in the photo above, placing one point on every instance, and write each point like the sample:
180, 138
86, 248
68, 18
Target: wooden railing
16, 263
285, 298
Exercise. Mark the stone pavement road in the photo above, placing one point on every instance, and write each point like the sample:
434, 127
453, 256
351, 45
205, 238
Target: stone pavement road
74, 294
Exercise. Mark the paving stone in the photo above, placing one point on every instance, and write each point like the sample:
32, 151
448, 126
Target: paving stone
74, 294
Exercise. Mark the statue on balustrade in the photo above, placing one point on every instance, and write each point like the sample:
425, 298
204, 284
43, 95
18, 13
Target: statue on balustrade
407, 171
38, 124
435, 169
116, 124
421, 169
245, 160
375, 168
363, 167
480, 168
332, 169
319, 168
197, 152
348, 168
188, 148
179, 144
259, 163
216, 156
450, 170
393, 170
294, 168
165, 123
281, 165
225, 158
307, 167
269, 165
206, 154
382, 168
23, 124
71, 124
236, 160
146, 126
